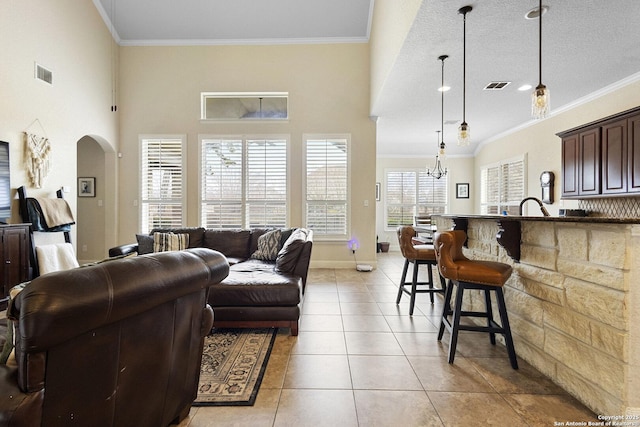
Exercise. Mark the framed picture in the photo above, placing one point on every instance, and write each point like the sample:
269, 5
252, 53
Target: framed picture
86, 187
377, 191
462, 190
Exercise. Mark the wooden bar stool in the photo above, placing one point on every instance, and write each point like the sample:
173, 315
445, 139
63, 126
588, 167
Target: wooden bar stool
487, 276
417, 255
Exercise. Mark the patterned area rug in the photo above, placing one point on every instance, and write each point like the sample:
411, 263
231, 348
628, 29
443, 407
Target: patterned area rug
233, 364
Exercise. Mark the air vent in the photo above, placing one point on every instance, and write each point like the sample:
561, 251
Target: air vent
44, 74
496, 85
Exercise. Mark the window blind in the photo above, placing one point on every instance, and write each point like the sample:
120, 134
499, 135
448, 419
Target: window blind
413, 192
162, 183
502, 187
327, 186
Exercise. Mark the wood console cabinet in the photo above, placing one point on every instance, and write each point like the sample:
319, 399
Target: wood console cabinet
602, 158
14, 250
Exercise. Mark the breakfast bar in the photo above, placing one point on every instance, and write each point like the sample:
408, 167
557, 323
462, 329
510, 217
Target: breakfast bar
573, 299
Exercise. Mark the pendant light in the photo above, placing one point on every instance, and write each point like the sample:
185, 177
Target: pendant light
438, 171
464, 133
540, 98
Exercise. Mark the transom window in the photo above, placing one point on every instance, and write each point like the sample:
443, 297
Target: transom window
243, 182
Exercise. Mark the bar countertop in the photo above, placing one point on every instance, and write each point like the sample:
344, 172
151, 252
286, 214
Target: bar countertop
586, 219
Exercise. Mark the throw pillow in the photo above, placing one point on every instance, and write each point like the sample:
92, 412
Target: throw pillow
287, 258
268, 246
163, 242
145, 244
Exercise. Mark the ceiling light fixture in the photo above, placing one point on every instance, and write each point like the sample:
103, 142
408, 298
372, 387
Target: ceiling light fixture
540, 97
464, 132
438, 171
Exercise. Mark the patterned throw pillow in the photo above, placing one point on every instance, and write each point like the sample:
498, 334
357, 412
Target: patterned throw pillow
163, 242
268, 246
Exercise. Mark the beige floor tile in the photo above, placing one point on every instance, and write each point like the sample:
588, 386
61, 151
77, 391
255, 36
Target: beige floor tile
262, 413
320, 322
380, 343
321, 297
402, 309
316, 408
506, 380
275, 372
321, 308
540, 410
395, 408
351, 287
362, 308
383, 373
474, 409
365, 324
436, 374
320, 343
318, 371
421, 344
356, 297
415, 323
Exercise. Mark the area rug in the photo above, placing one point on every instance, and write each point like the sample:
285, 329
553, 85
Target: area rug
233, 364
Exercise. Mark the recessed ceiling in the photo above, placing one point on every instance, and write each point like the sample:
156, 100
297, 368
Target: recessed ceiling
588, 45
189, 22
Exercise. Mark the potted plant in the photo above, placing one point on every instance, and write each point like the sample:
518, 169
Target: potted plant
383, 246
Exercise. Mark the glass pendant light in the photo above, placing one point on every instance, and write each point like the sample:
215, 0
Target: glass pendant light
540, 97
464, 132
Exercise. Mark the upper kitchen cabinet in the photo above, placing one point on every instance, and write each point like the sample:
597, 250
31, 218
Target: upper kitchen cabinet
602, 158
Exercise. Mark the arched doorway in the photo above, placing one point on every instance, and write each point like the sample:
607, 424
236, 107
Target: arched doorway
96, 211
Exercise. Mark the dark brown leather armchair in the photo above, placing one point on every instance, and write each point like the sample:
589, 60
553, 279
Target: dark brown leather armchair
114, 344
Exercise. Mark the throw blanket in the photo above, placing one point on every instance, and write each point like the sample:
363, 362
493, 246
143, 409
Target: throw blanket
57, 211
56, 257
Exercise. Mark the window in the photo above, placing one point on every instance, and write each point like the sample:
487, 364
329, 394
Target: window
411, 192
244, 106
502, 187
162, 182
327, 185
243, 182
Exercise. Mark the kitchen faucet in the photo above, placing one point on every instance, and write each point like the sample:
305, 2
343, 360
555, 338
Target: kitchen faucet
542, 208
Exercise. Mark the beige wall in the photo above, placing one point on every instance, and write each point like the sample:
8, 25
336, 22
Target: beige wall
543, 147
328, 89
69, 38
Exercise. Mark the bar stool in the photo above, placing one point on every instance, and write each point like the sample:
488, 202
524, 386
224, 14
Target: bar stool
486, 276
417, 255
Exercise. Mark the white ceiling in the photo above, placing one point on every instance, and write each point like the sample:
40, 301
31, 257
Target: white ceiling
588, 45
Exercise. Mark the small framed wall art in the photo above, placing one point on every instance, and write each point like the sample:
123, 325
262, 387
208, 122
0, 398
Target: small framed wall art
87, 187
462, 190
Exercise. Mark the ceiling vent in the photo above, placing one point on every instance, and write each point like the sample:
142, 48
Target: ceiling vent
496, 85
44, 74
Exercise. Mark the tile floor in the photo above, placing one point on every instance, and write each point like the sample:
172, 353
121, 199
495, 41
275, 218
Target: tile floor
361, 360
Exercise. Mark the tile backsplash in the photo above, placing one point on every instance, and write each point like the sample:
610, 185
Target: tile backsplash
614, 207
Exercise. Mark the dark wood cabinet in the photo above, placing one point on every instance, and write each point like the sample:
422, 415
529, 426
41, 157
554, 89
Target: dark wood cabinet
570, 166
633, 150
602, 158
14, 256
614, 157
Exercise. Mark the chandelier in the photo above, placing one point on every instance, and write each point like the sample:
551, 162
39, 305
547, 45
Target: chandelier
438, 171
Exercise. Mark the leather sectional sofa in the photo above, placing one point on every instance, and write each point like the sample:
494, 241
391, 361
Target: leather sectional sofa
112, 344
257, 292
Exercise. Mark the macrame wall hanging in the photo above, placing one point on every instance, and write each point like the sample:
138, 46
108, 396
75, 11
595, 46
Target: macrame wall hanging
38, 153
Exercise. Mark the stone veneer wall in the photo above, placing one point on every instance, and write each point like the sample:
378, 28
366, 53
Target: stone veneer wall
573, 305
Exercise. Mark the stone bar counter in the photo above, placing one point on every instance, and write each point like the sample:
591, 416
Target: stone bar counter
573, 299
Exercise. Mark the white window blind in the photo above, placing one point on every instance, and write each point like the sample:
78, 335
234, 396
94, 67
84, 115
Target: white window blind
244, 183
266, 195
162, 183
412, 192
327, 186
502, 187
